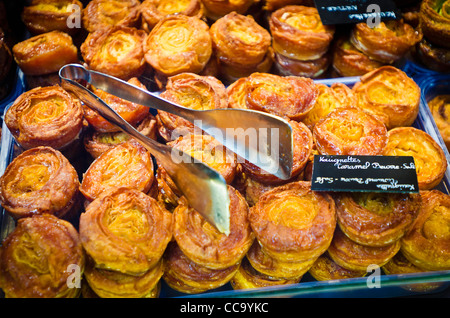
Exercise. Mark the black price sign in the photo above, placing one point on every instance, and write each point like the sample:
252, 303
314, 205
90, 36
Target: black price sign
356, 11
364, 173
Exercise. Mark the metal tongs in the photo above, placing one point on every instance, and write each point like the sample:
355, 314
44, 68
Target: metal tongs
245, 132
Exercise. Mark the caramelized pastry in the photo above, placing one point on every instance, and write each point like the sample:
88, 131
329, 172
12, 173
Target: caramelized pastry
125, 230
215, 9
427, 244
253, 189
435, 21
350, 131
99, 14
356, 257
272, 5
293, 223
186, 276
298, 32
45, 53
128, 164
204, 244
436, 58
39, 257
390, 95
168, 192
387, 42
45, 116
48, 15
178, 44
286, 66
440, 109
117, 51
429, 158
376, 219
325, 269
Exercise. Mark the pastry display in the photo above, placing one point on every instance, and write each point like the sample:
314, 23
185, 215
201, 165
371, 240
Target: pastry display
440, 110
435, 21
325, 269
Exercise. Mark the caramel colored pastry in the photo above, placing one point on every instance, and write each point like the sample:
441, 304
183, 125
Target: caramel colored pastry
350, 131
429, 158
427, 244
376, 219
45, 53
128, 165
293, 223
192, 91
37, 257
48, 15
87, 292
133, 113
247, 277
356, 257
45, 116
387, 42
435, 21
204, 244
152, 11
349, 61
272, 5
303, 144
286, 66
440, 109
298, 32
254, 189
434, 57
99, 14
215, 9
328, 99
117, 51
186, 276
168, 192
208, 150
125, 230
178, 44
390, 95
325, 269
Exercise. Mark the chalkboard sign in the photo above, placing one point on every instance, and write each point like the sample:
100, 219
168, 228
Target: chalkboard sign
353, 11
364, 173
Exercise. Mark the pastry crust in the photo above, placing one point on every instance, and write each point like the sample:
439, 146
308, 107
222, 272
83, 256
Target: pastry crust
293, 223
434, 57
325, 269
435, 21
45, 116
390, 95
298, 33
312, 68
427, 244
272, 5
45, 53
350, 131
36, 258
204, 244
429, 158
128, 165
178, 44
215, 9
440, 109
168, 192
376, 219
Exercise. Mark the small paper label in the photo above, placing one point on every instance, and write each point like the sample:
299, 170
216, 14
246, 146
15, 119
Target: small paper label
364, 173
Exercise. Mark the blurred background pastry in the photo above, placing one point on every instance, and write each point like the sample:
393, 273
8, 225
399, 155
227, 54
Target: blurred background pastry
440, 110
215, 9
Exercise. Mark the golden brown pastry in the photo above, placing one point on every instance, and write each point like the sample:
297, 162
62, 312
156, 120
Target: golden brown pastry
117, 51
168, 192
350, 131
39, 259
436, 58
39, 180
125, 230
429, 158
177, 44
252, 189
387, 42
440, 109
325, 269
271, 5
99, 14
286, 66
427, 244
435, 21
390, 95
45, 116
215, 9
204, 244
48, 15
45, 53
376, 219
356, 257
293, 223
128, 164
298, 32
186, 276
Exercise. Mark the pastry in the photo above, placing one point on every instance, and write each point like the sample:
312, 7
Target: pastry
286, 66
215, 9
45, 116
272, 5
168, 192
436, 58
435, 21
427, 244
429, 158
350, 131
45, 53
390, 95
440, 110
42, 258
6, 59
325, 269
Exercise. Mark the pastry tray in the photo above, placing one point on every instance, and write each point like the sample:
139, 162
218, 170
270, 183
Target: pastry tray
370, 286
